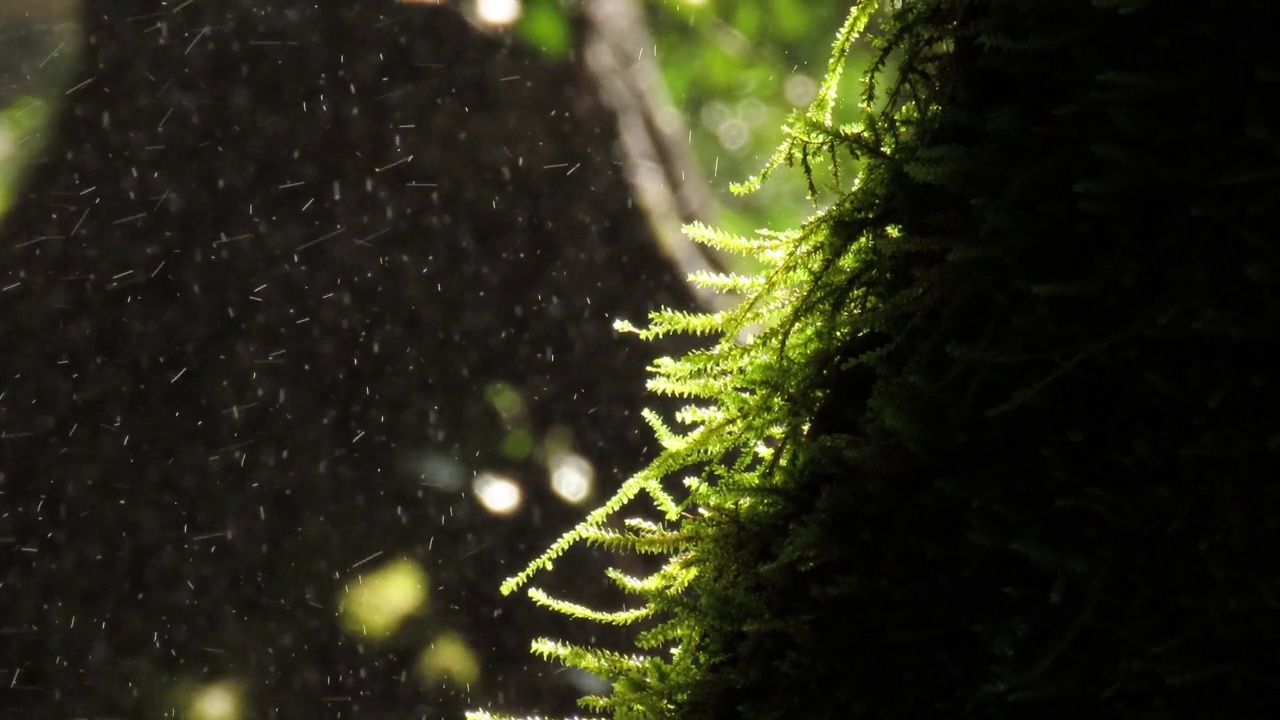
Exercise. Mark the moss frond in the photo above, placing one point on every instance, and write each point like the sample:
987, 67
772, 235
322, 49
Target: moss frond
617, 617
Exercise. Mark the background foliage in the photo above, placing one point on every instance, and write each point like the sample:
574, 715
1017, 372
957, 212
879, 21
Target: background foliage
735, 69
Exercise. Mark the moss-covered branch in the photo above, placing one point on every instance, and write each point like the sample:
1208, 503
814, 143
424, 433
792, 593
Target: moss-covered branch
995, 433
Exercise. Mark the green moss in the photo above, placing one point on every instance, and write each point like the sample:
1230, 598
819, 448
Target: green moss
994, 434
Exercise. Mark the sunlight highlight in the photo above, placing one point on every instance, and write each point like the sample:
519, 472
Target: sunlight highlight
498, 12
498, 494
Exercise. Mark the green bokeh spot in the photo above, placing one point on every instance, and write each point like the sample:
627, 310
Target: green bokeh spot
517, 445
505, 399
544, 25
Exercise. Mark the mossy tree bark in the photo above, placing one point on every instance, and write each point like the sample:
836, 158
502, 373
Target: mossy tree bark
1047, 498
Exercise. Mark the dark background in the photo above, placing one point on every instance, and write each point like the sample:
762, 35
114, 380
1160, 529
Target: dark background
270, 260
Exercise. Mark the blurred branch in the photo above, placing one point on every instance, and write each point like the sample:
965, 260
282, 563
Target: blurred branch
619, 54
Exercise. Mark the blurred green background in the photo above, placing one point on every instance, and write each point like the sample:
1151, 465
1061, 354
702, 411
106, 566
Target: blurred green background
734, 69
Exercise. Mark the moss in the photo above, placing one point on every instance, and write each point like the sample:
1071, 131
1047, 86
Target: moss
1002, 440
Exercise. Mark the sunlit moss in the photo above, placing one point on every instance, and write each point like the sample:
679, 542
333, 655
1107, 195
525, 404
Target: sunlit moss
937, 378
449, 657
375, 604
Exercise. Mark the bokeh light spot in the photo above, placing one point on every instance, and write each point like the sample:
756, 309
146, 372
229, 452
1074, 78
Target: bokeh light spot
498, 12
505, 399
222, 700
498, 494
518, 445
449, 657
800, 90
376, 603
572, 477
733, 133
